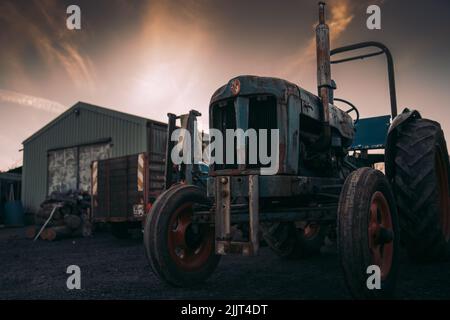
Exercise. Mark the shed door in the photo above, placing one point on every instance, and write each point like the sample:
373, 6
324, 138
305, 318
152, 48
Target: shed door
62, 170
87, 155
70, 168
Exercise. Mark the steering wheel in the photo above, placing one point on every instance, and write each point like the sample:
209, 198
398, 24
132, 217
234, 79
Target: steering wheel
353, 108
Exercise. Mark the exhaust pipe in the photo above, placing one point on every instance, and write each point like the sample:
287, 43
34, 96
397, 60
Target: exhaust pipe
324, 83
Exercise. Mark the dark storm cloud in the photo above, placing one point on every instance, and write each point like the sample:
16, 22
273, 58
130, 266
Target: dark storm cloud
36, 41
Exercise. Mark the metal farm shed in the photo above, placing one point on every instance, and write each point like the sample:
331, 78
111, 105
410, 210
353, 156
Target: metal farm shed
58, 156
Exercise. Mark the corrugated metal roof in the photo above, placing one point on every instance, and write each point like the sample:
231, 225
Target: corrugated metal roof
92, 108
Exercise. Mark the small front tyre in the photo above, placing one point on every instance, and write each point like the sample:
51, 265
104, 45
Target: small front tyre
180, 252
368, 233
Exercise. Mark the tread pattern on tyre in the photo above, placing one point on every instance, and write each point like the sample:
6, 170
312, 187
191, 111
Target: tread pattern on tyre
415, 186
148, 239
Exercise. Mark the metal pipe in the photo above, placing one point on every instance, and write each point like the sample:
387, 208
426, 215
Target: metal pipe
168, 167
253, 204
361, 57
324, 84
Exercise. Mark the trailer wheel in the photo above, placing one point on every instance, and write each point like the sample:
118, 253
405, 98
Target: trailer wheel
368, 233
180, 252
289, 242
120, 230
421, 186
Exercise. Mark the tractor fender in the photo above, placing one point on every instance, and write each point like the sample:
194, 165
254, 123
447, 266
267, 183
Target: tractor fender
389, 152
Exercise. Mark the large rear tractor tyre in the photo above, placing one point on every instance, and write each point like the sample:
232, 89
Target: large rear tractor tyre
368, 233
180, 252
421, 186
290, 242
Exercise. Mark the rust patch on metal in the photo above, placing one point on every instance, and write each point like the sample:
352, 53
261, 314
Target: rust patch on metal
235, 86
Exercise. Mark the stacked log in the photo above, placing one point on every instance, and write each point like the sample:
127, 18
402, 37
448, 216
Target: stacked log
31, 232
55, 233
65, 215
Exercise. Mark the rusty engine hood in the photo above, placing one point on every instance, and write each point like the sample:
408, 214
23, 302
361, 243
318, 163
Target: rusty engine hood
282, 89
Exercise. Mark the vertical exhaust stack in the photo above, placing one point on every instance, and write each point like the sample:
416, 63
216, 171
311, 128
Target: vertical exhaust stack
324, 84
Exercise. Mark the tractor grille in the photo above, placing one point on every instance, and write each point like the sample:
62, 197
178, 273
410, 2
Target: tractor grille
224, 117
262, 114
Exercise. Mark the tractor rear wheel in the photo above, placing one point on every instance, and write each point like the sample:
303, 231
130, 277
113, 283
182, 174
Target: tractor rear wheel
368, 233
421, 186
180, 252
290, 242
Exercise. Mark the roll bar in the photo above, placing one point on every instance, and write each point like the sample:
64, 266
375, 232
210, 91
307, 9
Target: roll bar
389, 60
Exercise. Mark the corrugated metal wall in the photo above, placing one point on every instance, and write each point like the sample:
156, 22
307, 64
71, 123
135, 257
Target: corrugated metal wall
128, 135
8, 180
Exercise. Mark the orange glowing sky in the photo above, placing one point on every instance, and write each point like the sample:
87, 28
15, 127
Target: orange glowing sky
152, 57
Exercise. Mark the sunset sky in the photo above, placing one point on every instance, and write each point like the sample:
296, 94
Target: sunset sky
152, 57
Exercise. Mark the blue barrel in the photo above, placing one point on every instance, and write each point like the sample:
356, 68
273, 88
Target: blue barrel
13, 214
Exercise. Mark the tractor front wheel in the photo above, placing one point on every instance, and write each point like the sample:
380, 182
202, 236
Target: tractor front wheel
180, 252
368, 233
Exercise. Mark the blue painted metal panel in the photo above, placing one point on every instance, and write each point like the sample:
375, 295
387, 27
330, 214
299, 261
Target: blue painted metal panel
371, 133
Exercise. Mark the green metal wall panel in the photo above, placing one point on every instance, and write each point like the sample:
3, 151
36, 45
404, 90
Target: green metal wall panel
127, 134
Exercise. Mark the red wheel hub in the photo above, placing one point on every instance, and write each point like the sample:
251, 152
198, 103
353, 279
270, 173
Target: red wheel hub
443, 190
190, 245
381, 234
311, 230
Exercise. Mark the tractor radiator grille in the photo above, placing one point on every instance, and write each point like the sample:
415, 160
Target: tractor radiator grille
262, 114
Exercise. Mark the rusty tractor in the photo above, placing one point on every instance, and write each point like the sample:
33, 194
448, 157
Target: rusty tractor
326, 185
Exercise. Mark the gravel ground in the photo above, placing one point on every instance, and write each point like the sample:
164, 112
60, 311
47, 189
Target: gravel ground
118, 269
